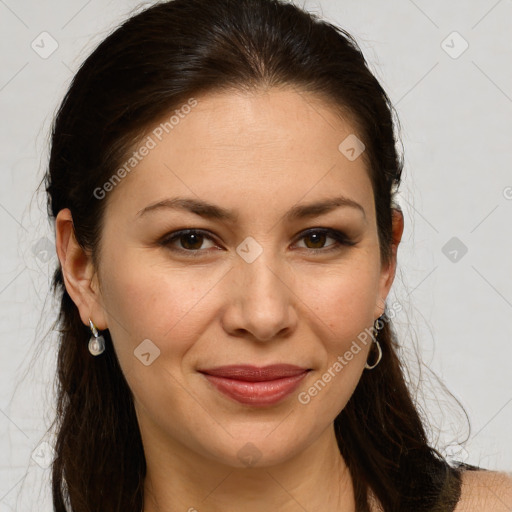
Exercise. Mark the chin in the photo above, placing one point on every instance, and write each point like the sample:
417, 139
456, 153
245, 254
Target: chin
258, 451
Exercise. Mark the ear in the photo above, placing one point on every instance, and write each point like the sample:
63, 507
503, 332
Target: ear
389, 269
78, 272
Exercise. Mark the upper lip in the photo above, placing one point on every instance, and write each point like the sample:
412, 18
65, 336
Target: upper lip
252, 373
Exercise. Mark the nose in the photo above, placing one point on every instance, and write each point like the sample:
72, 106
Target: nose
261, 302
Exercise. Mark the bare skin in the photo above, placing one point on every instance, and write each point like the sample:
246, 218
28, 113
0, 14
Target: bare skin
258, 155
485, 491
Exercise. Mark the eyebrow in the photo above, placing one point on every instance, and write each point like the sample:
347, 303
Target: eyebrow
211, 211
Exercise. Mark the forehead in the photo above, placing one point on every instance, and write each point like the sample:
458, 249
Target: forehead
246, 149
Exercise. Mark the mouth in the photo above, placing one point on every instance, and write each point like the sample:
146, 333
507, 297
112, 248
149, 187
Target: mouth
256, 386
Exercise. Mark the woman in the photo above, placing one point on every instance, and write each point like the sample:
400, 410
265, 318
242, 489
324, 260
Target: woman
218, 351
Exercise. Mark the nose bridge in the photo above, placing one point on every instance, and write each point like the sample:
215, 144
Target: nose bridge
263, 296
260, 272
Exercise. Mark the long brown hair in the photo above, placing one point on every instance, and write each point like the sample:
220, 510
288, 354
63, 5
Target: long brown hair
147, 67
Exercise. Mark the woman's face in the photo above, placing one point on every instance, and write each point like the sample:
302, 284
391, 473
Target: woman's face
250, 287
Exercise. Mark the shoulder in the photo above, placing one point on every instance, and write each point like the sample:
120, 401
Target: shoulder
483, 491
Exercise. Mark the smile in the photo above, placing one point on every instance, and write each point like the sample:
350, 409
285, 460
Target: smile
255, 386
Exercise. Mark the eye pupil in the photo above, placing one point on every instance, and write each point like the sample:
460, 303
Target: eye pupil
318, 238
193, 236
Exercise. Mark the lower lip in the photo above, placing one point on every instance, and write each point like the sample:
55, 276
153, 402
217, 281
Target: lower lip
257, 393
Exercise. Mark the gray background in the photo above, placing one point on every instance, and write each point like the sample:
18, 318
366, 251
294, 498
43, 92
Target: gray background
455, 109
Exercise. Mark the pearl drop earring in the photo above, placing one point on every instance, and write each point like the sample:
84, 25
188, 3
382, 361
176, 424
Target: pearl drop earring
97, 341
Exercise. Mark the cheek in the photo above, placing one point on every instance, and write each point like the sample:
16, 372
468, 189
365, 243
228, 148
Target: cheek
164, 304
343, 303
148, 302
343, 298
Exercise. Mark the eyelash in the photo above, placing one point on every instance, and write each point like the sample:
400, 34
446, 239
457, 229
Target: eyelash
340, 238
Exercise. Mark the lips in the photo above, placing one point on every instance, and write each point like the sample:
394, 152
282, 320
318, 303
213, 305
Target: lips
251, 373
256, 386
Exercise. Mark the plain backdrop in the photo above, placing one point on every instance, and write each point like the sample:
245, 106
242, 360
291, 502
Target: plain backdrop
446, 67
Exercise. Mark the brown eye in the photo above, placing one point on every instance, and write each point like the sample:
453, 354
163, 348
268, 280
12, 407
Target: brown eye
190, 241
318, 239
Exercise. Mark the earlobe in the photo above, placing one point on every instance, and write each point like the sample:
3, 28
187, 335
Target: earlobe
78, 271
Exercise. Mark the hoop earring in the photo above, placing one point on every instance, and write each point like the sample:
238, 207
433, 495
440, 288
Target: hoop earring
376, 329
96, 342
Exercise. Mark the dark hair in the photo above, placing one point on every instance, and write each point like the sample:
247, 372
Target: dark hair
153, 63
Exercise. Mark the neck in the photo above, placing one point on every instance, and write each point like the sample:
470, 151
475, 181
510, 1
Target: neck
178, 479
